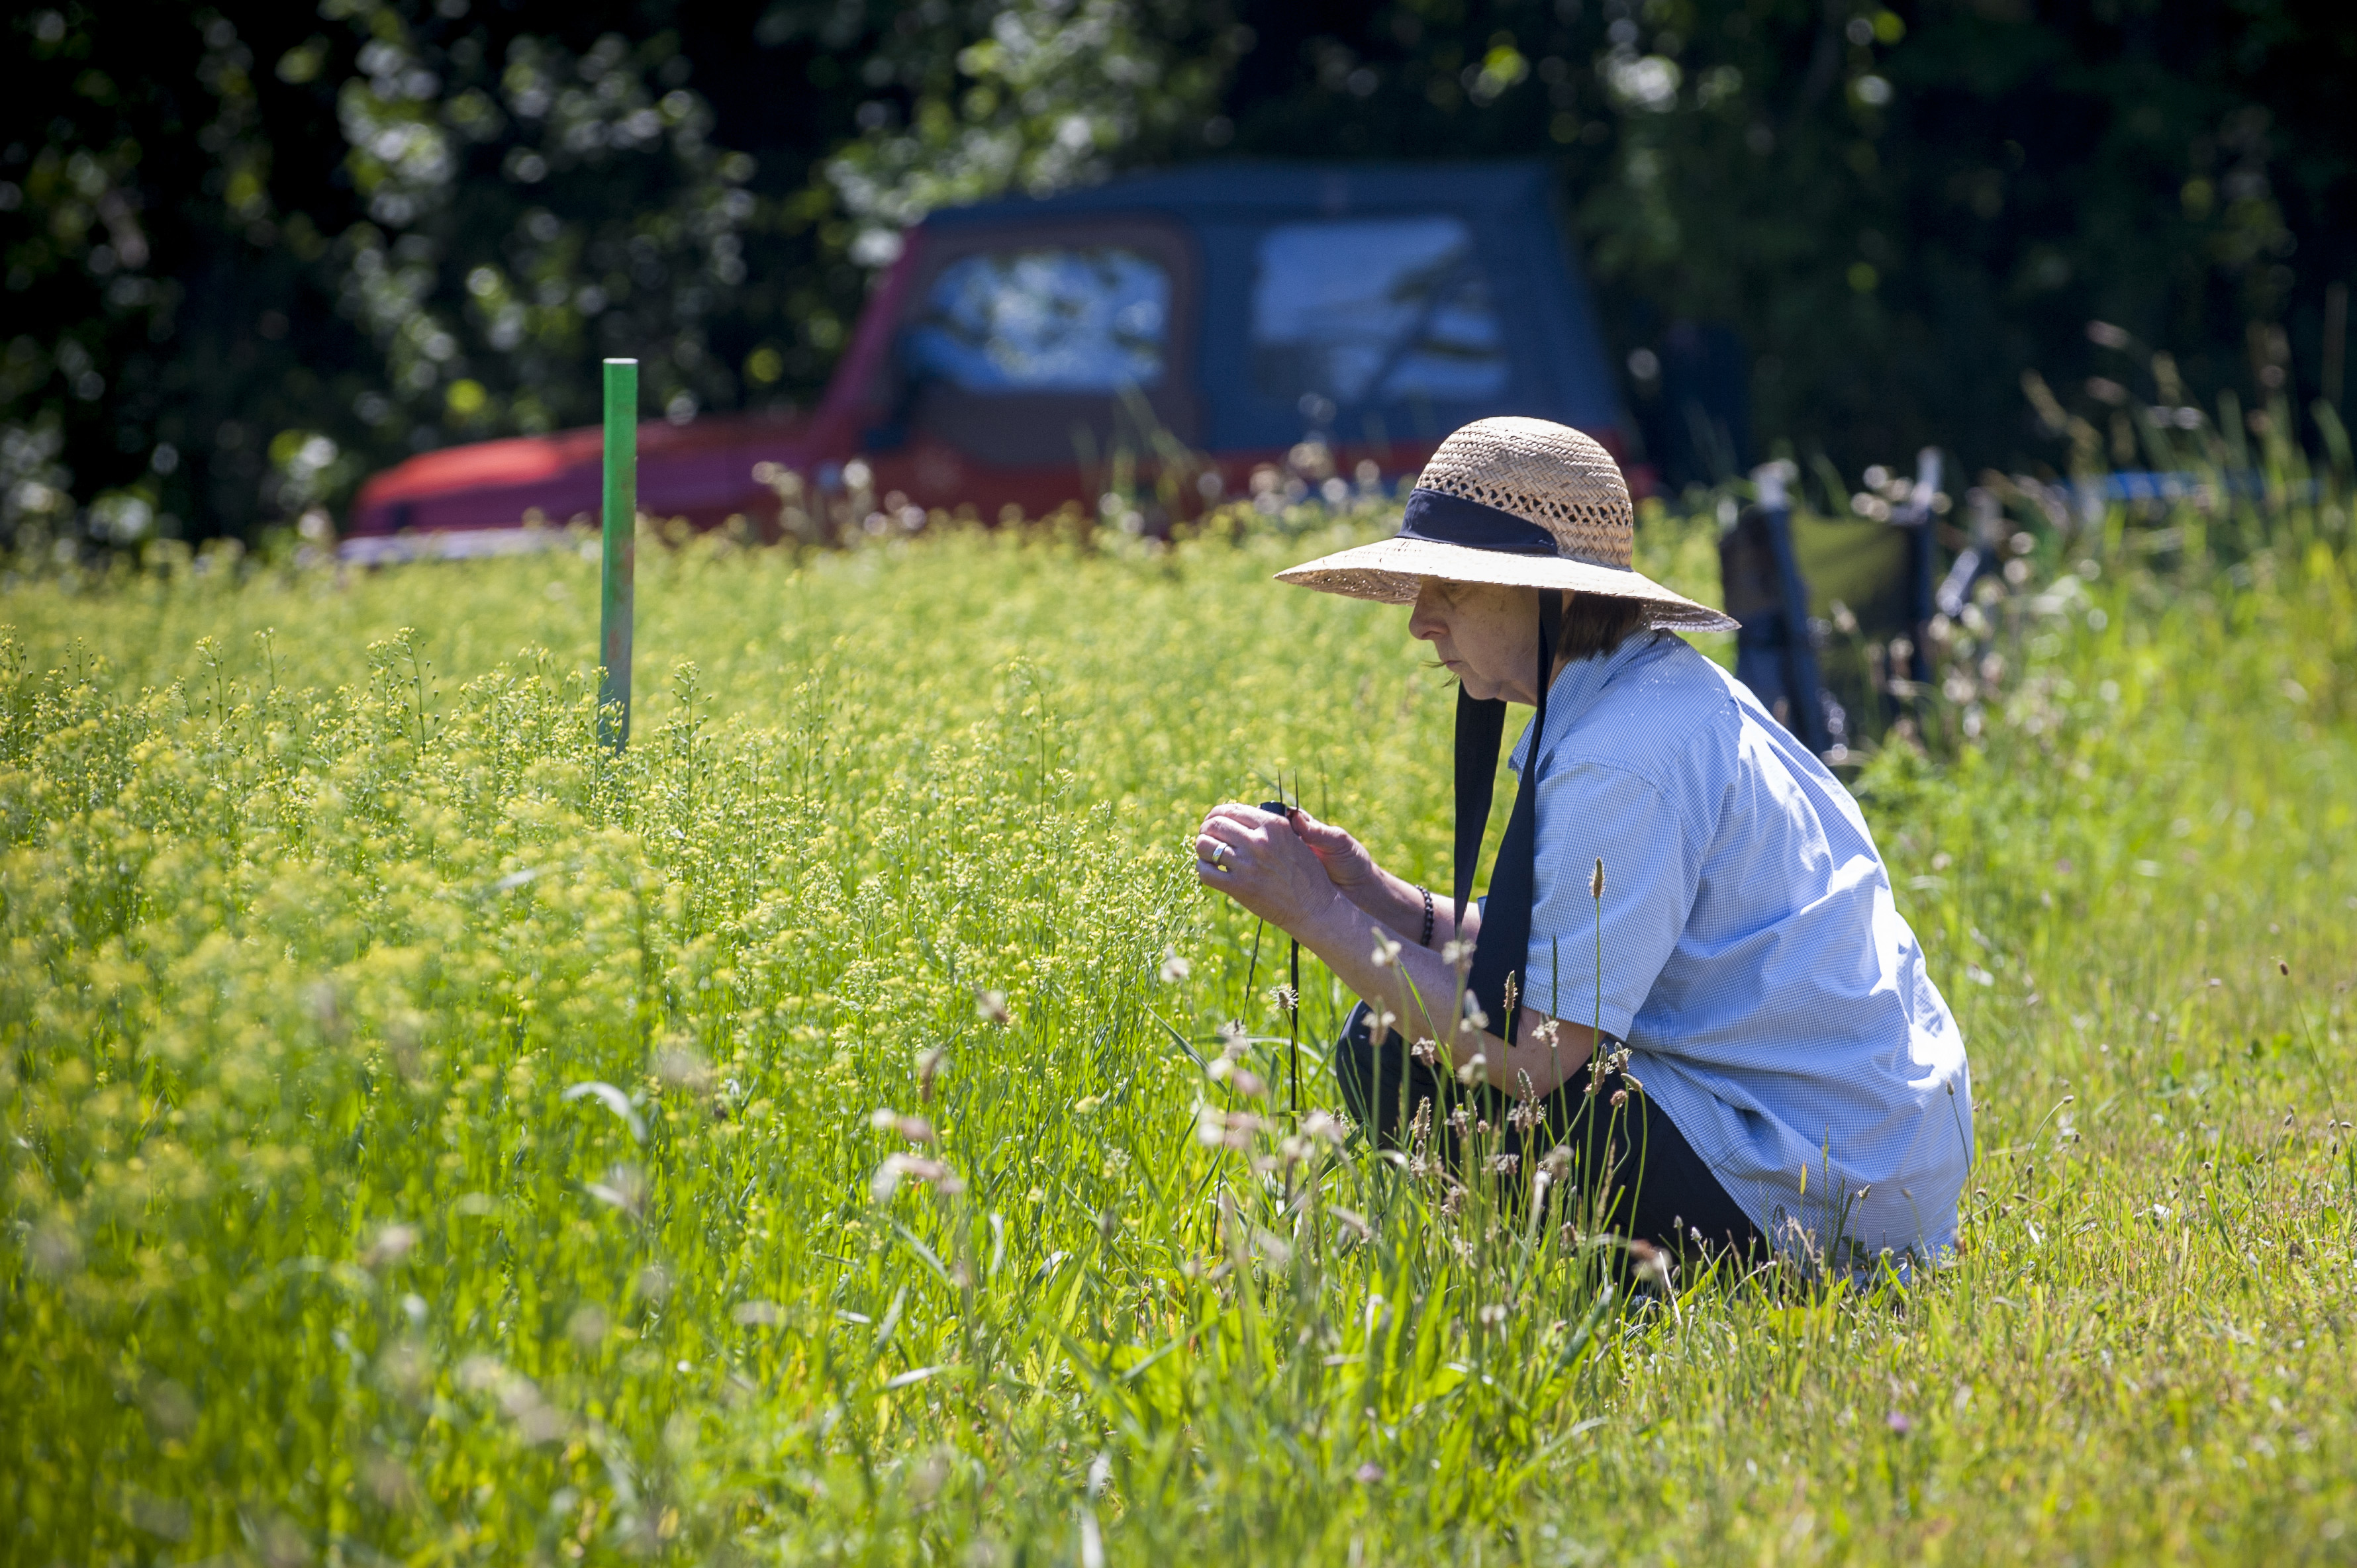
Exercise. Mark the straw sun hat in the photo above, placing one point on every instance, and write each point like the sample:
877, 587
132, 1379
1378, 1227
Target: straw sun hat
1522, 502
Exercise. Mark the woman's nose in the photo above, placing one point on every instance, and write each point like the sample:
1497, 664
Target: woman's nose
1422, 622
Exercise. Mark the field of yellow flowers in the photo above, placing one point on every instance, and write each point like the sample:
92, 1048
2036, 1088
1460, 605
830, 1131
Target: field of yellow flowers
427, 1137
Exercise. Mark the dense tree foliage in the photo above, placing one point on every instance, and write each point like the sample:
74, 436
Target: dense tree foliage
1899, 211
252, 252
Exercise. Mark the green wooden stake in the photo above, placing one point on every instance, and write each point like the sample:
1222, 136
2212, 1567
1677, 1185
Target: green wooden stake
619, 568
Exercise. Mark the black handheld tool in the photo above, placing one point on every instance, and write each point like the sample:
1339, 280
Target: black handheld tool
1293, 979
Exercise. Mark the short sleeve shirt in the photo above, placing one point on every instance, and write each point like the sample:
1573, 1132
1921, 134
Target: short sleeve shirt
1749, 951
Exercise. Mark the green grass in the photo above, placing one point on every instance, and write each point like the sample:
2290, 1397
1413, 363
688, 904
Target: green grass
317, 1248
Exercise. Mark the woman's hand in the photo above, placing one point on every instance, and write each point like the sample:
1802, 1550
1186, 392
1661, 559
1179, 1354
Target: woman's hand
1348, 864
1260, 859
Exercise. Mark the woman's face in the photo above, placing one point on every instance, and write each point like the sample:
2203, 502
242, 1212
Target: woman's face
1487, 636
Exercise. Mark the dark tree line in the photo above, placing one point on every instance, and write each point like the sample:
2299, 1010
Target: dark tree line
252, 252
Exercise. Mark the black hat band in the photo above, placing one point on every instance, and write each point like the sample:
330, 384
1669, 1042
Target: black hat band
1438, 517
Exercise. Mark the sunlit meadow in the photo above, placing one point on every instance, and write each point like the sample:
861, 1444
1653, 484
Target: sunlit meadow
809, 1135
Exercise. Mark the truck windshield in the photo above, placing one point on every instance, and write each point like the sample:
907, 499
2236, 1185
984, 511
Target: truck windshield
1381, 310
1044, 320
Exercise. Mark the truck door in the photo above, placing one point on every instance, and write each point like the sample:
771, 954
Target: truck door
1030, 350
1376, 320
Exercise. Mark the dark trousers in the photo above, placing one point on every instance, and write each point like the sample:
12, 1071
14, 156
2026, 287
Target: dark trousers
1643, 1178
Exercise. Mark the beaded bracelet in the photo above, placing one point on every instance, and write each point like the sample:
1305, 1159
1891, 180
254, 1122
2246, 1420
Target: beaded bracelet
1426, 940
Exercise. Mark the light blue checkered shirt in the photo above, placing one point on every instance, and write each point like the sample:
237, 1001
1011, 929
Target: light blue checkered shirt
1774, 1003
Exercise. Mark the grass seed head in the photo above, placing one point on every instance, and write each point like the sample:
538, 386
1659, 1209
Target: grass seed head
915, 1128
1218, 1129
587, 1326
897, 1168
680, 1065
1227, 1070
388, 1480
1652, 1264
625, 1187
393, 1243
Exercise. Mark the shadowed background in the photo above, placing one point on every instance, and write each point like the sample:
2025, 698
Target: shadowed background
253, 252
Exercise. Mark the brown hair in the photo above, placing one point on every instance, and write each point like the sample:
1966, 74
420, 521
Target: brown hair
1596, 624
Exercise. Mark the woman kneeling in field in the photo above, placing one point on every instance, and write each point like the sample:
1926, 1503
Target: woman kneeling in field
1681, 884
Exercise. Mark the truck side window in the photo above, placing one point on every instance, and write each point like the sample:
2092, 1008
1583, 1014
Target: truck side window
1374, 310
1043, 320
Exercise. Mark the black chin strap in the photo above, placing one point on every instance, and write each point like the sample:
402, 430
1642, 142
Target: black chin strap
1481, 728
1504, 946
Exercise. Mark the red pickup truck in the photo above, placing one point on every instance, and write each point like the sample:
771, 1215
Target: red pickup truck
1139, 348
